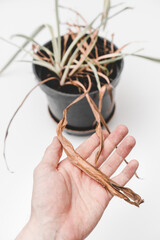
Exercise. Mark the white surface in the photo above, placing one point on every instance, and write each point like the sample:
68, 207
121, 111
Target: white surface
137, 106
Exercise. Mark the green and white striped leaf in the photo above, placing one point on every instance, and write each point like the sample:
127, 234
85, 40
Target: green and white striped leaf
20, 48
106, 8
41, 63
95, 74
34, 34
72, 58
73, 44
55, 48
147, 57
111, 60
120, 11
58, 28
41, 47
82, 60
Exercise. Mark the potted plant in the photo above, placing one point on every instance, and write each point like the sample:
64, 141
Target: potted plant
79, 72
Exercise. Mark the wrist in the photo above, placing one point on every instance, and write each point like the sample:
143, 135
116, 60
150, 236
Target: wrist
35, 231
48, 231
41, 231
38, 231
30, 231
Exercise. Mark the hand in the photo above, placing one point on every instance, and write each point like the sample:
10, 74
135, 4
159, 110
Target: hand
66, 203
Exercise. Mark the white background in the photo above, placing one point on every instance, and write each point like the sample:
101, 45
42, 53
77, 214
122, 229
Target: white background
137, 106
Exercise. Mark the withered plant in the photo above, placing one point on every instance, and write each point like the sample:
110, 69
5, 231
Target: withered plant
73, 57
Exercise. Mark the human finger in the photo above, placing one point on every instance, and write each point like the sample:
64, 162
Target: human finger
127, 173
53, 153
109, 145
88, 146
122, 151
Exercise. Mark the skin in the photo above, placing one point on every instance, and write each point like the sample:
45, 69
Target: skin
66, 203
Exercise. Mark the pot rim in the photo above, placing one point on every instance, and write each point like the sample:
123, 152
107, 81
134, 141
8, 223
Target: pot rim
77, 94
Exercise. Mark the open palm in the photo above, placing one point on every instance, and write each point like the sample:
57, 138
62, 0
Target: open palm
67, 203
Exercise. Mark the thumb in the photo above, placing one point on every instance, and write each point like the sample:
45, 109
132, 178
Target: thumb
53, 153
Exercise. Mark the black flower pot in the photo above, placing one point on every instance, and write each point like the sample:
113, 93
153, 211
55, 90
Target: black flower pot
80, 117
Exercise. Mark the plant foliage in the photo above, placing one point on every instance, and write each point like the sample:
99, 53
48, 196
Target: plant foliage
77, 58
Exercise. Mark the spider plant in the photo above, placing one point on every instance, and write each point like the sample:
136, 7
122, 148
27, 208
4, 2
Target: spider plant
75, 58
64, 66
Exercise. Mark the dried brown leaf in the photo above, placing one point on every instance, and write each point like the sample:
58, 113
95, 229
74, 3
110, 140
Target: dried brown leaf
93, 172
14, 115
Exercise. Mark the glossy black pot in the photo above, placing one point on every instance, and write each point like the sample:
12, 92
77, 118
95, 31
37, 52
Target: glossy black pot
80, 117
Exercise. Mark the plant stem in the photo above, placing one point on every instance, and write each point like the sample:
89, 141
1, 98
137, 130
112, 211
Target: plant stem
58, 28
